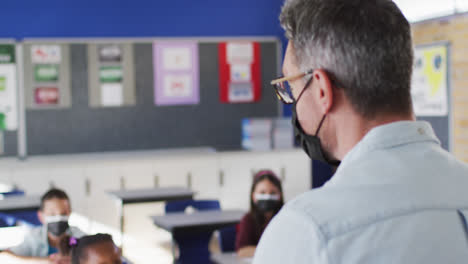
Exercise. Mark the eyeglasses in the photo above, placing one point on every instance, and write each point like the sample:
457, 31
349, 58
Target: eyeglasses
283, 89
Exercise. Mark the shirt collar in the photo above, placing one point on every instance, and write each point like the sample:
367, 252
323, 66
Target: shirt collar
384, 137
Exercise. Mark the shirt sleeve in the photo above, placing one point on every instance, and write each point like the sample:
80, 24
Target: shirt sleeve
246, 233
24, 249
291, 237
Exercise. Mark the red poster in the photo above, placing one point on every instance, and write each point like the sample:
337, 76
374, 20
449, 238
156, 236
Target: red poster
46, 95
239, 72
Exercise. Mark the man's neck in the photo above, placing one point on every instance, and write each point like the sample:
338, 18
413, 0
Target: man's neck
355, 127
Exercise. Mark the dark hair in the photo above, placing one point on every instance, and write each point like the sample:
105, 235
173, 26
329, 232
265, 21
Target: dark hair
76, 248
257, 215
53, 194
364, 45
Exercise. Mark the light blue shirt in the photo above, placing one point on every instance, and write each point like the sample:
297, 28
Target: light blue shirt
397, 197
36, 242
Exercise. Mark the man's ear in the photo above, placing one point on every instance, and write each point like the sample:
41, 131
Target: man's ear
41, 217
325, 90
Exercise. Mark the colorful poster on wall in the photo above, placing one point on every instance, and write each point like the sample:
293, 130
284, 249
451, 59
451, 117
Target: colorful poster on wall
46, 72
110, 53
429, 83
110, 74
46, 95
176, 71
239, 72
46, 54
8, 87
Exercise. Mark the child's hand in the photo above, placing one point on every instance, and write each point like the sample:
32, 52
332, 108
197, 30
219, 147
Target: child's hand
59, 259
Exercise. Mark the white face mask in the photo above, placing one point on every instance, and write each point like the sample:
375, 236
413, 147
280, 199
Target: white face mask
56, 218
265, 196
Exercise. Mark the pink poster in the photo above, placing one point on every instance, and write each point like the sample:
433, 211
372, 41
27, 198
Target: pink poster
176, 73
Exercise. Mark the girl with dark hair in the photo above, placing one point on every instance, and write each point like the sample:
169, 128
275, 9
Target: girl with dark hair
266, 199
99, 248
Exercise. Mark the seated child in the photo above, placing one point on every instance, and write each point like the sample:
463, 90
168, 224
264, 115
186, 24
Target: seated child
266, 199
95, 249
41, 244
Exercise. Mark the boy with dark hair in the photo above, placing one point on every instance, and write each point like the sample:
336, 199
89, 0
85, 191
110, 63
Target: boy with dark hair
41, 244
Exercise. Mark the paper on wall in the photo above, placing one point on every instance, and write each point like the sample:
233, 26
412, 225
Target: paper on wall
241, 92
240, 53
177, 85
111, 94
43, 54
429, 82
177, 58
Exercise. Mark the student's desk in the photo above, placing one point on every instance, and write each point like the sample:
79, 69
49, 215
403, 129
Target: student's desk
20, 203
200, 221
134, 196
230, 258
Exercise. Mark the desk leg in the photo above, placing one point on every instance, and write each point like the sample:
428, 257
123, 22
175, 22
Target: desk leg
173, 250
120, 208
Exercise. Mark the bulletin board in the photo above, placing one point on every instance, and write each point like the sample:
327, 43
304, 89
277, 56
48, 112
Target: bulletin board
81, 127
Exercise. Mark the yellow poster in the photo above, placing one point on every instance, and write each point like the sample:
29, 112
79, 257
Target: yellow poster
429, 84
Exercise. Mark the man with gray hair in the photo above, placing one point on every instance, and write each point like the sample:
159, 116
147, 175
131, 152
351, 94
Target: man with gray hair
397, 196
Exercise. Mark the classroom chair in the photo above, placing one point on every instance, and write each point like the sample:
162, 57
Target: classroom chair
27, 217
7, 220
227, 239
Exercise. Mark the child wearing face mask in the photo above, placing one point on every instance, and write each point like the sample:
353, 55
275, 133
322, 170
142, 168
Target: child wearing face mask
266, 199
41, 244
99, 248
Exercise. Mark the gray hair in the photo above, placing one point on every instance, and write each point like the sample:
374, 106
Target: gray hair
364, 45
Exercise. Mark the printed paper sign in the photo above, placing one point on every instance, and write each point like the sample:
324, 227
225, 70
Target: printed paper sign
110, 74
46, 54
111, 94
429, 83
46, 95
46, 72
177, 85
240, 92
240, 53
110, 53
240, 73
177, 58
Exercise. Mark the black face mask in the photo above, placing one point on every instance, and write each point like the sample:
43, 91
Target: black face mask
311, 144
268, 205
57, 228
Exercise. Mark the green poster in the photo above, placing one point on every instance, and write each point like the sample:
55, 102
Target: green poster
3, 83
46, 73
7, 53
110, 74
2, 121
